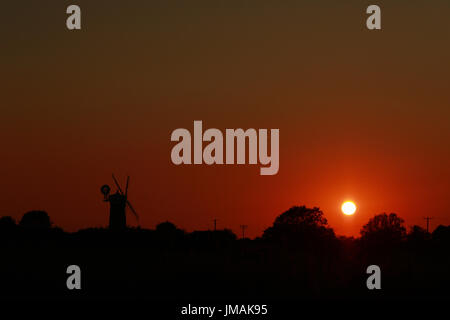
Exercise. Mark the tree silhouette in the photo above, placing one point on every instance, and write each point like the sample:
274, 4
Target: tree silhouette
168, 234
300, 225
166, 227
383, 229
442, 234
35, 220
417, 234
7, 224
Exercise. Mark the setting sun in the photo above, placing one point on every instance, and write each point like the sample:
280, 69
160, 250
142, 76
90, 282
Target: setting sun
348, 208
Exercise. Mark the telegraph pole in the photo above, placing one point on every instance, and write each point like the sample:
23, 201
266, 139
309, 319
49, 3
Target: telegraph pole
215, 224
243, 227
428, 223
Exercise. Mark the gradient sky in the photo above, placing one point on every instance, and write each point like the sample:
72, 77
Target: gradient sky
363, 115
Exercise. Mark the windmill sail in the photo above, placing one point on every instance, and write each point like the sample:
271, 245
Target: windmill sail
132, 210
117, 184
126, 187
118, 204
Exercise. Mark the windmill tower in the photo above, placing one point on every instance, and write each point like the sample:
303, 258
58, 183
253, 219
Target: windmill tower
118, 202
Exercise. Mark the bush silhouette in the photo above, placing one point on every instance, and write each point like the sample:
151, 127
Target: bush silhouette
35, 220
7, 224
166, 227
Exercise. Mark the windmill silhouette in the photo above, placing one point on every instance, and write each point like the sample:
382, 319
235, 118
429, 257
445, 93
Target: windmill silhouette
118, 202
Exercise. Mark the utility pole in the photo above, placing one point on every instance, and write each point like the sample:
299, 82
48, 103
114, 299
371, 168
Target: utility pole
243, 227
215, 224
428, 223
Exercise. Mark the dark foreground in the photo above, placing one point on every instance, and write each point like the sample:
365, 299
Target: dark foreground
170, 265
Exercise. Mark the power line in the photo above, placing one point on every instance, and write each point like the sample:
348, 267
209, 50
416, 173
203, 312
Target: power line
243, 227
428, 223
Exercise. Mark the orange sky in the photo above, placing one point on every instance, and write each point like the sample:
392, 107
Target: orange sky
362, 115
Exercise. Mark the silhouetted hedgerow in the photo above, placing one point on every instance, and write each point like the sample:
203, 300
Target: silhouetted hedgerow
298, 256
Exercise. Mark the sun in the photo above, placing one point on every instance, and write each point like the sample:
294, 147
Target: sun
348, 208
